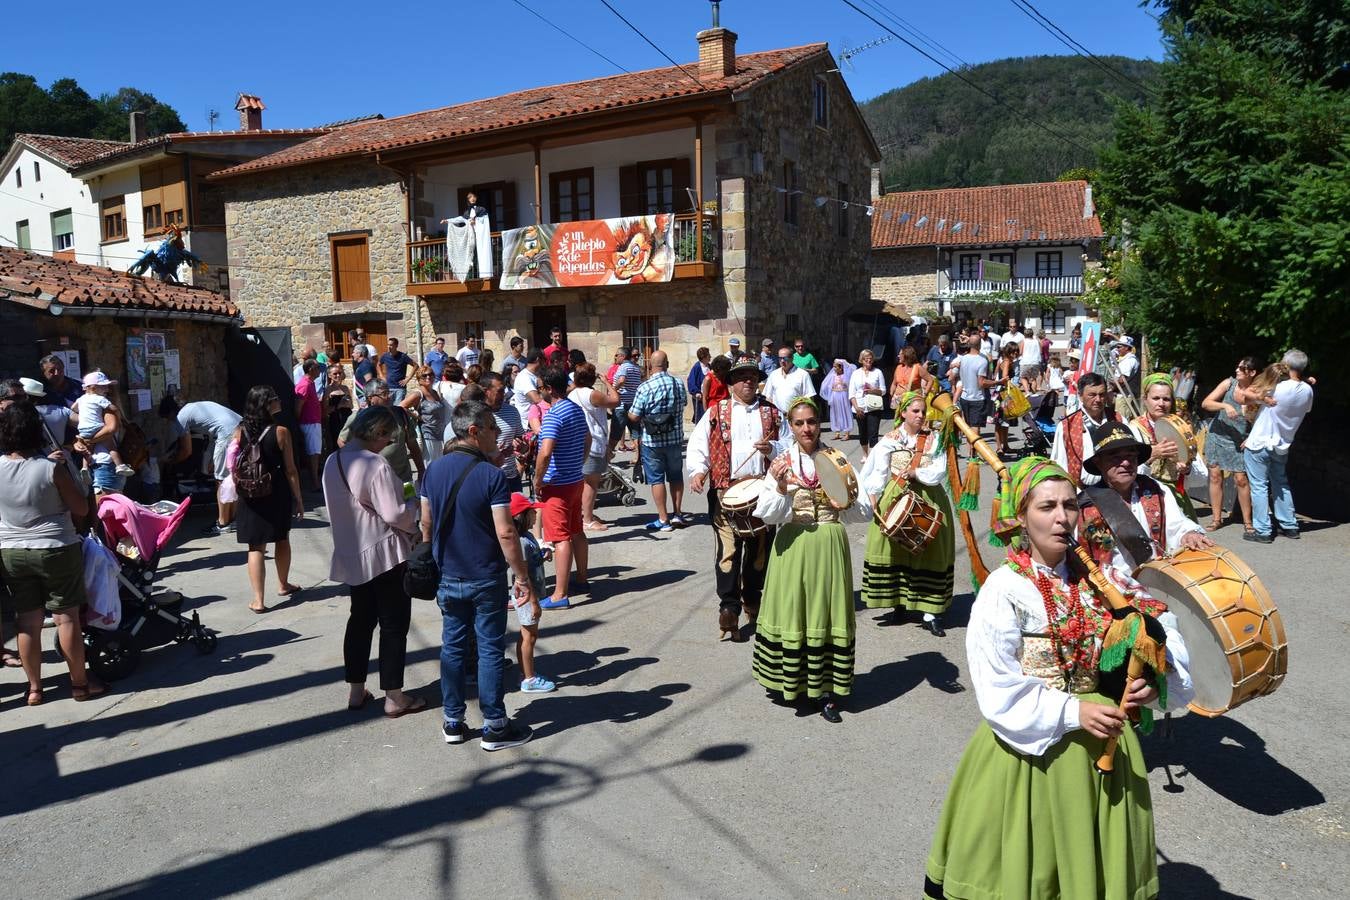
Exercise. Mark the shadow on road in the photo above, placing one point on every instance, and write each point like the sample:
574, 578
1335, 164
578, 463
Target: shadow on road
1183, 881
892, 680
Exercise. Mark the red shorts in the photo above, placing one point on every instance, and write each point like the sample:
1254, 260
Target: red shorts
562, 511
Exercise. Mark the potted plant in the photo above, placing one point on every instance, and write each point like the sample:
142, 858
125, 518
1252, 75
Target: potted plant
427, 269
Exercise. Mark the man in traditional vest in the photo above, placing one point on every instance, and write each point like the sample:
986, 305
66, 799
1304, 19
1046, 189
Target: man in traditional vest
734, 440
1073, 435
1128, 518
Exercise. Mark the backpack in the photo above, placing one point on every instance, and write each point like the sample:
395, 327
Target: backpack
252, 477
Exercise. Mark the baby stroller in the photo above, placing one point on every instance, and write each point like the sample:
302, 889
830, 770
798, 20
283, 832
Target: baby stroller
137, 535
1038, 426
614, 482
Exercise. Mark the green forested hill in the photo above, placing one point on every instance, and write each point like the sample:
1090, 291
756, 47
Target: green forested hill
939, 132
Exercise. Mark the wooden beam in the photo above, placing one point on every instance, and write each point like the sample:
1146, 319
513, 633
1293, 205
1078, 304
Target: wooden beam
538, 186
698, 187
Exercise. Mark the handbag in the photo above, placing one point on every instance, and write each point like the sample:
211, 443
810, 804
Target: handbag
422, 578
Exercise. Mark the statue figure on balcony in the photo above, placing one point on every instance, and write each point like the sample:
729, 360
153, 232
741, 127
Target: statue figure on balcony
468, 242
165, 259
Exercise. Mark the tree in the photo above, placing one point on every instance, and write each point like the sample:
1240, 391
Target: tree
1232, 187
115, 112
23, 104
67, 109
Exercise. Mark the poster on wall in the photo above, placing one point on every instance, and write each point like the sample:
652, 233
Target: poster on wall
154, 344
71, 361
1092, 338
155, 372
589, 253
137, 377
173, 375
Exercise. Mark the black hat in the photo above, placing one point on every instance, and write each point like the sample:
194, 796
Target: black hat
744, 366
1115, 436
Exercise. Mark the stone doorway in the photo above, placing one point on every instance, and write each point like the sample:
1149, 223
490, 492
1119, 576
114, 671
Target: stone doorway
546, 318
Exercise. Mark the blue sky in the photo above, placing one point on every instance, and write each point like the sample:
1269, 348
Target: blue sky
314, 63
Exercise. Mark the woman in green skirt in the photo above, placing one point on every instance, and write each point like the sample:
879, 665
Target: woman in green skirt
909, 459
1027, 814
804, 634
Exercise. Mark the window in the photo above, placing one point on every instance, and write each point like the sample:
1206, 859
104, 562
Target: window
843, 210
1053, 321
114, 219
163, 187
63, 231
572, 195
641, 332
1049, 264
173, 217
657, 183
653, 186
792, 197
153, 218
351, 266
821, 105
1005, 258
969, 266
37, 172
24, 235
792, 327
497, 197
473, 330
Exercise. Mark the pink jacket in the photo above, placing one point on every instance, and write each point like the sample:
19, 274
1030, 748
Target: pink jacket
373, 531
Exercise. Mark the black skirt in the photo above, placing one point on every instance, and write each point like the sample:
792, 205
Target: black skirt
266, 520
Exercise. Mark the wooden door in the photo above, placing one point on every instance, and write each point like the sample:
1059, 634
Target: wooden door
351, 268
546, 318
339, 335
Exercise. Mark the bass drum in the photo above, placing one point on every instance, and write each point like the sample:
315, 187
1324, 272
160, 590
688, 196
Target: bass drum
1233, 632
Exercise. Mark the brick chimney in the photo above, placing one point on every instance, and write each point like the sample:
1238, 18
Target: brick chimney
138, 129
250, 112
716, 49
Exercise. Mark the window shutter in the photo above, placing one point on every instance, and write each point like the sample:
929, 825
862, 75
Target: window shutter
63, 223
682, 184
630, 193
510, 208
463, 202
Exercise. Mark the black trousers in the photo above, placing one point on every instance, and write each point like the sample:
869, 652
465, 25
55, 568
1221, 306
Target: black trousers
869, 427
741, 562
380, 601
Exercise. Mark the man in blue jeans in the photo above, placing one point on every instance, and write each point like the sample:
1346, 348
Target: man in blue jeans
473, 548
1266, 451
658, 406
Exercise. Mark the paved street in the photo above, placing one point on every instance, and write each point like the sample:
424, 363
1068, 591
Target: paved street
659, 768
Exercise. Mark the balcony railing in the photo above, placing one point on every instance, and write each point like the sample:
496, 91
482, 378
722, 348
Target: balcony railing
1052, 285
429, 265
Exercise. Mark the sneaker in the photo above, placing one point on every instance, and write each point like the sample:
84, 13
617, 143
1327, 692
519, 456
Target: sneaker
537, 685
455, 734
125, 471
1292, 533
1257, 537
658, 525
678, 520
513, 735
215, 529
555, 603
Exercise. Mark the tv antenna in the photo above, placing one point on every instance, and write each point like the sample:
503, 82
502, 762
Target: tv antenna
847, 53
211, 116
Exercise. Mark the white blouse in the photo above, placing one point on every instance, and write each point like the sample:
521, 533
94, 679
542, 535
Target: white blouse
777, 509
860, 379
1024, 711
877, 470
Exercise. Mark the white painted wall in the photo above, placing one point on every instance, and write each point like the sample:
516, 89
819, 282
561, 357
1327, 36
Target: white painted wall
606, 157
36, 200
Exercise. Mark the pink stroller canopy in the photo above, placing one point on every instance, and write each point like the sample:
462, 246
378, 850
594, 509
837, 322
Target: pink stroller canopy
147, 529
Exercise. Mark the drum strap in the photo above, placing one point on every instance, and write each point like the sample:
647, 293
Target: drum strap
1130, 536
899, 477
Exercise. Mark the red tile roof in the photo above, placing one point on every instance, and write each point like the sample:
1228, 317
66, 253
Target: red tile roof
70, 151
1002, 214
249, 101
532, 106
184, 137
29, 276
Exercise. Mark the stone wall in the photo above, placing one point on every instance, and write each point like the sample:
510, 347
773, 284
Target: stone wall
278, 225
904, 278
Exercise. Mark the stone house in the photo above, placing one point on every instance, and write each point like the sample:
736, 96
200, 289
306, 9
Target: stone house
105, 202
754, 156
129, 327
931, 251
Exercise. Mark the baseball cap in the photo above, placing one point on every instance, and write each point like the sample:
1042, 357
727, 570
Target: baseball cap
97, 379
33, 388
767, 342
520, 503
734, 342
1125, 341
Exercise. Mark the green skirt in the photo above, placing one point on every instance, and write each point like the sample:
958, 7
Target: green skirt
1183, 499
892, 576
804, 633
1045, 827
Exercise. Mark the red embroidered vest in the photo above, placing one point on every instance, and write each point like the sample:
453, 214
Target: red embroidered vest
1073, 442
719, 438
1096, 534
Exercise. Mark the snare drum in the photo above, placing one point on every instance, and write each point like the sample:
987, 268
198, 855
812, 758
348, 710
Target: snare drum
912, 521
1233, 632
836, 476
738, 503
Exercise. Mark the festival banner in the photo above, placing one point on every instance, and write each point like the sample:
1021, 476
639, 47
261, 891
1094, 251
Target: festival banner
1092, 338
589, 253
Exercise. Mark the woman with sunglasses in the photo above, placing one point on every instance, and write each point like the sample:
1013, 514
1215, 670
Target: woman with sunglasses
1223, 445
425, 402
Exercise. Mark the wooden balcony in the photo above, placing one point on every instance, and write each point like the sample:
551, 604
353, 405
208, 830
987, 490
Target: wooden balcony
429, 272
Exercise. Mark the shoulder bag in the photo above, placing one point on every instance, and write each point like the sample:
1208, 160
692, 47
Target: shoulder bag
422, 578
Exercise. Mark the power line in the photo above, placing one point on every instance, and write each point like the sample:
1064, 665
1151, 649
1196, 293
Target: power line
913, 31
960, 76
574, 38
1059, 34
649, 41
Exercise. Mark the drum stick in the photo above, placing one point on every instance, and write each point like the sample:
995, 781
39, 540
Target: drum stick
977, 566
743, 462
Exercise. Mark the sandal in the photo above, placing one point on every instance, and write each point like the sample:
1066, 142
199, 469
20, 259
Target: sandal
87, 691
1214, 525
417, 706
35, 696
10, 660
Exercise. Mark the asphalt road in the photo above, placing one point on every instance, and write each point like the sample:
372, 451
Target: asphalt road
659, 767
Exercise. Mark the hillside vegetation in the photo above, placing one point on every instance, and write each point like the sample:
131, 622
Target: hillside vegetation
939, 132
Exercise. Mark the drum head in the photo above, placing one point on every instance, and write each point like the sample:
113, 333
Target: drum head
1165, 429
836, 476
1210, 670
745, 490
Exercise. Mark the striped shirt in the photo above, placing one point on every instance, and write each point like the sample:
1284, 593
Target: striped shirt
509, 428
632, 377
565, 424
661, 395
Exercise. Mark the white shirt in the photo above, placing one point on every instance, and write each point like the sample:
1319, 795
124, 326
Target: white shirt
1059, 450
776, 509
747, 429
1012, 337
468, 356
877, 470
861, 379
1275, 425
782, 388
525, 382
1127, 365
1175, 525
1025, 713
1031, 352
597, 419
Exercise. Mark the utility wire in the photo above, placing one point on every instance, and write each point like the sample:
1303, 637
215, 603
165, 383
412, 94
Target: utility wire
573, 37
1059, 34
961, 76
639, 33
912, 30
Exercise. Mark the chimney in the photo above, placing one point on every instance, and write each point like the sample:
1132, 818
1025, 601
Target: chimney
250, 112
876, 183
716, 49
138, 129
